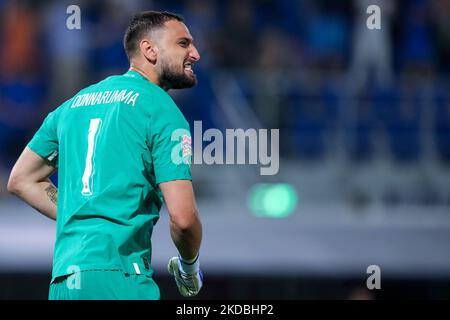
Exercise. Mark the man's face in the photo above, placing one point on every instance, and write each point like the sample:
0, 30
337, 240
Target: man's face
177, 54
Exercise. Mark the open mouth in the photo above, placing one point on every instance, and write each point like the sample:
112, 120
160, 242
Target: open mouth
188, 67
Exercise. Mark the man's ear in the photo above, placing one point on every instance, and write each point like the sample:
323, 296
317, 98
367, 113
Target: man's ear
149, 50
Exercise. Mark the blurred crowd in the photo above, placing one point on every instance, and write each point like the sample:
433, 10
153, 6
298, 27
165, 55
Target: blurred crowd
298, 62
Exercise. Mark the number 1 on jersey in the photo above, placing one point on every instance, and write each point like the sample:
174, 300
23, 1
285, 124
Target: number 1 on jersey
92, 133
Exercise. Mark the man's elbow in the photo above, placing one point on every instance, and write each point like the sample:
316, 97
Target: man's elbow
15, 184
185, 222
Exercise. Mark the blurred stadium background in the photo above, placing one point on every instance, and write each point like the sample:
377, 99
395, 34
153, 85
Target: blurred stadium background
364, 119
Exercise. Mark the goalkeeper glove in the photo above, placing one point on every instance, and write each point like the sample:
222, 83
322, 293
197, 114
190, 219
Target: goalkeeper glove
188, 276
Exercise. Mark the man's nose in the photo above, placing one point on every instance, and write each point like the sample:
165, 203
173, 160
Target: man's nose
194, 54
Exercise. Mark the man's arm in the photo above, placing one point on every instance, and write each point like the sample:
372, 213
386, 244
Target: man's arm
186, 231
185, 226
29, 180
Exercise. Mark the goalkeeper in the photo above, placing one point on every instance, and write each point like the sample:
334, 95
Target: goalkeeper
121, 148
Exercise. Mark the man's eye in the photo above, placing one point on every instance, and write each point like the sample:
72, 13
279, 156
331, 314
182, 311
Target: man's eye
183, 44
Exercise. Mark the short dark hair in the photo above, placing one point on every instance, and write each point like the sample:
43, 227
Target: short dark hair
141, 24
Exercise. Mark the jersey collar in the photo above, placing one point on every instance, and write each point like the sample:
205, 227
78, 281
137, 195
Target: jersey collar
135, 74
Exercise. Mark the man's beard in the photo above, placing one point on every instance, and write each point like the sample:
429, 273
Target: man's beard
170, 78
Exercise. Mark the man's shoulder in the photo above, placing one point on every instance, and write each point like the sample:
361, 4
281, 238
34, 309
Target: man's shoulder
127, 81
115, 88
126, 87
101, 85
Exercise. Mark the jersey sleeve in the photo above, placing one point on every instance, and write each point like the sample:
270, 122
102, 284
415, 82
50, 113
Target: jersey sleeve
170, 142
45, 140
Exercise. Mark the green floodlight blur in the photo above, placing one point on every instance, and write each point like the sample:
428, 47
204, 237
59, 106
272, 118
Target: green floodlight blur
272, 200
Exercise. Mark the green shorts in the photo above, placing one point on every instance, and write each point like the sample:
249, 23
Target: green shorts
103, 285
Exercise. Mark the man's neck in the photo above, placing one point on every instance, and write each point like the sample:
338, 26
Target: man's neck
150, 76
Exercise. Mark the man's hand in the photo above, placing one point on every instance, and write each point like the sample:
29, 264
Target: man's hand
188, 276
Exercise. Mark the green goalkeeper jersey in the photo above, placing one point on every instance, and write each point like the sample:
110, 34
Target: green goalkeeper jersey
112, 143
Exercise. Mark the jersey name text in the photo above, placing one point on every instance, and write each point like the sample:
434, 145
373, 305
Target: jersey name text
105, 97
